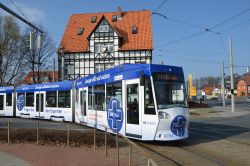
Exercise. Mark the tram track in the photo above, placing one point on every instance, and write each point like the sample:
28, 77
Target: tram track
217, 137
145, 146
195, 158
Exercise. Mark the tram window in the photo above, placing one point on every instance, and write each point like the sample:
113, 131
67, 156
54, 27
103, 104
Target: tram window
132, 104
99, 97
169, 94
51, 99
90, 98
9, 99
1, 102
77, 95
149, 100
64, 99
114, 90
29, 99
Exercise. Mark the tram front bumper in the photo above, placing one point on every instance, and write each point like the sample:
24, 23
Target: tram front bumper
168, 135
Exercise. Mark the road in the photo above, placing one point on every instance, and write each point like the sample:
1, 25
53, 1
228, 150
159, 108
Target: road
239, 102
217, 137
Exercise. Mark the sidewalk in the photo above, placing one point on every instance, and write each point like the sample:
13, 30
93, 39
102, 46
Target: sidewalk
10, 160
217, 111
31, 154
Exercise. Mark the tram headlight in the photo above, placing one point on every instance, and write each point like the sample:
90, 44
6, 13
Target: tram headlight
163, 115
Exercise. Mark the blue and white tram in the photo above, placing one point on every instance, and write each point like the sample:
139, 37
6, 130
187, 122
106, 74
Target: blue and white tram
6, 101
141, 101
51, 101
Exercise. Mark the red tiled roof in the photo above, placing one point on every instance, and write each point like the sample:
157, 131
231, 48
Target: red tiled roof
28, 78
246, 79
79, 43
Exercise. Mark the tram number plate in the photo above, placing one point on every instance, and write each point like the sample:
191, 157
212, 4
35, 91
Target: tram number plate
169, 135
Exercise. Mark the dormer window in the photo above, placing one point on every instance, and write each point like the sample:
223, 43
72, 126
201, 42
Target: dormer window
80, 31
134, 29
93, 19
114, 18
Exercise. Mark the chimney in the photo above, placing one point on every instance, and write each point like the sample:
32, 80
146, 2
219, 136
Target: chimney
119, 13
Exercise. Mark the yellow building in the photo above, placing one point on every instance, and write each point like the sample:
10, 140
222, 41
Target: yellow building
192, 89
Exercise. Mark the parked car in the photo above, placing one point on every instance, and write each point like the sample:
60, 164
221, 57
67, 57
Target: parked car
247, 98
214, 98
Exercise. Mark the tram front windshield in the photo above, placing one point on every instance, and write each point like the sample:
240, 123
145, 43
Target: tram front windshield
169, 90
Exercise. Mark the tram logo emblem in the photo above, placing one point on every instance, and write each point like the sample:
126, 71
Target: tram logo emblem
20, 102
178, 126
115, 114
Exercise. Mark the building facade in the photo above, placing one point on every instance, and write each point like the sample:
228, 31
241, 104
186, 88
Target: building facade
99, 41
243, 86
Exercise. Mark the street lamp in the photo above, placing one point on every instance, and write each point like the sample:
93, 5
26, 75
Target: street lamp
62, 65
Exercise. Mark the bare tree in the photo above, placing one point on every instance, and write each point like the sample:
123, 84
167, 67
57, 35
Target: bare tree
39, 59
11, 51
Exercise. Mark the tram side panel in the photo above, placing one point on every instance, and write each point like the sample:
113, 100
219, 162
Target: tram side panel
58, 105
90, 107
52, 101
25, 106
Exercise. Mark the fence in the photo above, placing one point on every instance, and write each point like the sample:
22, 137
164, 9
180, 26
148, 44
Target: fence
65, 128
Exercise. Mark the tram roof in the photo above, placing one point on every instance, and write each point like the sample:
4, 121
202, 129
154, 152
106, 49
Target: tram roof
7, 89
125, 72
64, 85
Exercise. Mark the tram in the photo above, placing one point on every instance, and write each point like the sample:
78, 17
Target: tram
51, 101
140, 101
6, 101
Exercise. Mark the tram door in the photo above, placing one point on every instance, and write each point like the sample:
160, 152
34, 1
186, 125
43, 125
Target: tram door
39, 104
83, 104
1, 104
133, 109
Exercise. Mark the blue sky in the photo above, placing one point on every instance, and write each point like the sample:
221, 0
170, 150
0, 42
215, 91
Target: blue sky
199, 55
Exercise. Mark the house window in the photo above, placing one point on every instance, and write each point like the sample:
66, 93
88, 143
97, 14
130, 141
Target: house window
80, 31
110, 47
109, 65
104, 28
69, 69
134, 29
99, 47
104, 47
114, 18
99, 67
93, 19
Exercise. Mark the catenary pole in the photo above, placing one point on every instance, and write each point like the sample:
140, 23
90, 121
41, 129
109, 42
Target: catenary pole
232, 76
223, 85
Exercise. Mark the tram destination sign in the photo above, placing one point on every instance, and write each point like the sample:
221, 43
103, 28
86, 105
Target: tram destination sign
167, 77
